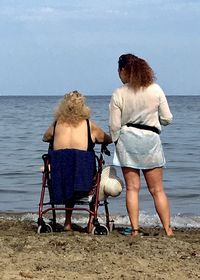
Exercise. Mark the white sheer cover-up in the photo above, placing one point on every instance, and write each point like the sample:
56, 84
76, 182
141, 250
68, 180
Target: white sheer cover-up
135, 147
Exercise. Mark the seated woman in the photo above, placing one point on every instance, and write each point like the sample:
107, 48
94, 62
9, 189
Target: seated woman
72, 129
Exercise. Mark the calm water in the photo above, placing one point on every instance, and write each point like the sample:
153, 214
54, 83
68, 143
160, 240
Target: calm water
24, 119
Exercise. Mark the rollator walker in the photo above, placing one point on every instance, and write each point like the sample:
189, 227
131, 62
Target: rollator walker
69, 175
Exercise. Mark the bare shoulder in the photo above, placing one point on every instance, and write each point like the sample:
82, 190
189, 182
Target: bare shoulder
48, 135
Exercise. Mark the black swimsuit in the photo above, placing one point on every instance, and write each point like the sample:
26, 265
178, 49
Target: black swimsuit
91, 144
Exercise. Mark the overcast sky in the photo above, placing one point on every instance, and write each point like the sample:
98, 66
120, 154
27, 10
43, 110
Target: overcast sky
54, 46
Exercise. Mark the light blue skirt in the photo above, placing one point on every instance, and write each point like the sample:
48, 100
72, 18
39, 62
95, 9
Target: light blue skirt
139, 149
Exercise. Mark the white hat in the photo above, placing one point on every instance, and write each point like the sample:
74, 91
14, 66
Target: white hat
111, 184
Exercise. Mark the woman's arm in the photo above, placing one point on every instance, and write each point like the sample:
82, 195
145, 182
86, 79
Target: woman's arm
114, 118
48, 135
165, 115
98, 135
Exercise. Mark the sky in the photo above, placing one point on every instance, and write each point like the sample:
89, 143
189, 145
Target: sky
52, 47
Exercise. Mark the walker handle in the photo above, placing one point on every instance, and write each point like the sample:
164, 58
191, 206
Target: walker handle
105, 150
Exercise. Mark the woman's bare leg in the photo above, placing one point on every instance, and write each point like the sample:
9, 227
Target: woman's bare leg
68, 223
154, 180
68, 216
132, 180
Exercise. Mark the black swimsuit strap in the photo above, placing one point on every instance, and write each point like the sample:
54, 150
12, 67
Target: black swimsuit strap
90, 142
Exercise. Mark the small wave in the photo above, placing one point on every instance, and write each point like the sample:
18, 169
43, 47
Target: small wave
187, 196
177, 221
19, 173
14, 191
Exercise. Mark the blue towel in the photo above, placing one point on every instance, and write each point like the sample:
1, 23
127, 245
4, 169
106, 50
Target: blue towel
72, 172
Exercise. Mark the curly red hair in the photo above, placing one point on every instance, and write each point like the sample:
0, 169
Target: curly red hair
138, 71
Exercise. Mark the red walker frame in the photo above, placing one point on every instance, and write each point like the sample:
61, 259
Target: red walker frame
93, 225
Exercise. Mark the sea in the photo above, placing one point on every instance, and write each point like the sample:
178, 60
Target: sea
23, 120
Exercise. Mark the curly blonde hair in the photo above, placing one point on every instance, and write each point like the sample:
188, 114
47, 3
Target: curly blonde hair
72, 108
139, 72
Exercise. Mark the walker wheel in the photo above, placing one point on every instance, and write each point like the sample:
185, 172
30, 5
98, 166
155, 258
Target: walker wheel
45, 228
100, 230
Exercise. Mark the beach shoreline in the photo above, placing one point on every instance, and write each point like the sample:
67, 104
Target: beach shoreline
25, 254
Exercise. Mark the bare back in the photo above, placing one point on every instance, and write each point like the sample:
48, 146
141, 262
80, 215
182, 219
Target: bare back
71, 137
67, 136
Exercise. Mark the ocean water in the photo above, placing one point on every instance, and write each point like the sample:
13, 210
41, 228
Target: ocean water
23, 120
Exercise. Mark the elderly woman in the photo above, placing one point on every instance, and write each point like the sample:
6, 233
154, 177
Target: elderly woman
73, 129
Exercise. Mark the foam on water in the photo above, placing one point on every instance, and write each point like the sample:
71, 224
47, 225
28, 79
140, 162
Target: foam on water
146, 220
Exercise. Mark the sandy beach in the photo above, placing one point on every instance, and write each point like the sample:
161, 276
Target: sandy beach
24, 254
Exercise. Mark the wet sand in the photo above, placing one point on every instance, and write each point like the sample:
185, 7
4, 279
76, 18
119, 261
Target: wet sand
24, 254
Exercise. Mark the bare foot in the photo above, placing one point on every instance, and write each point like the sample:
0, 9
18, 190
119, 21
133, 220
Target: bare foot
169, 232
135, 232
67, 227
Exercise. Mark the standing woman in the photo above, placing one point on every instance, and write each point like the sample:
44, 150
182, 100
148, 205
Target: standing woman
137, 111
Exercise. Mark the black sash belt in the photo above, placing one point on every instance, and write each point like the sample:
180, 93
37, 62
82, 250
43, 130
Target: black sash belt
144, 126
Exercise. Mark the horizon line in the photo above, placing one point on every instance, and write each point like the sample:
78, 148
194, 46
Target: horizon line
32, 95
